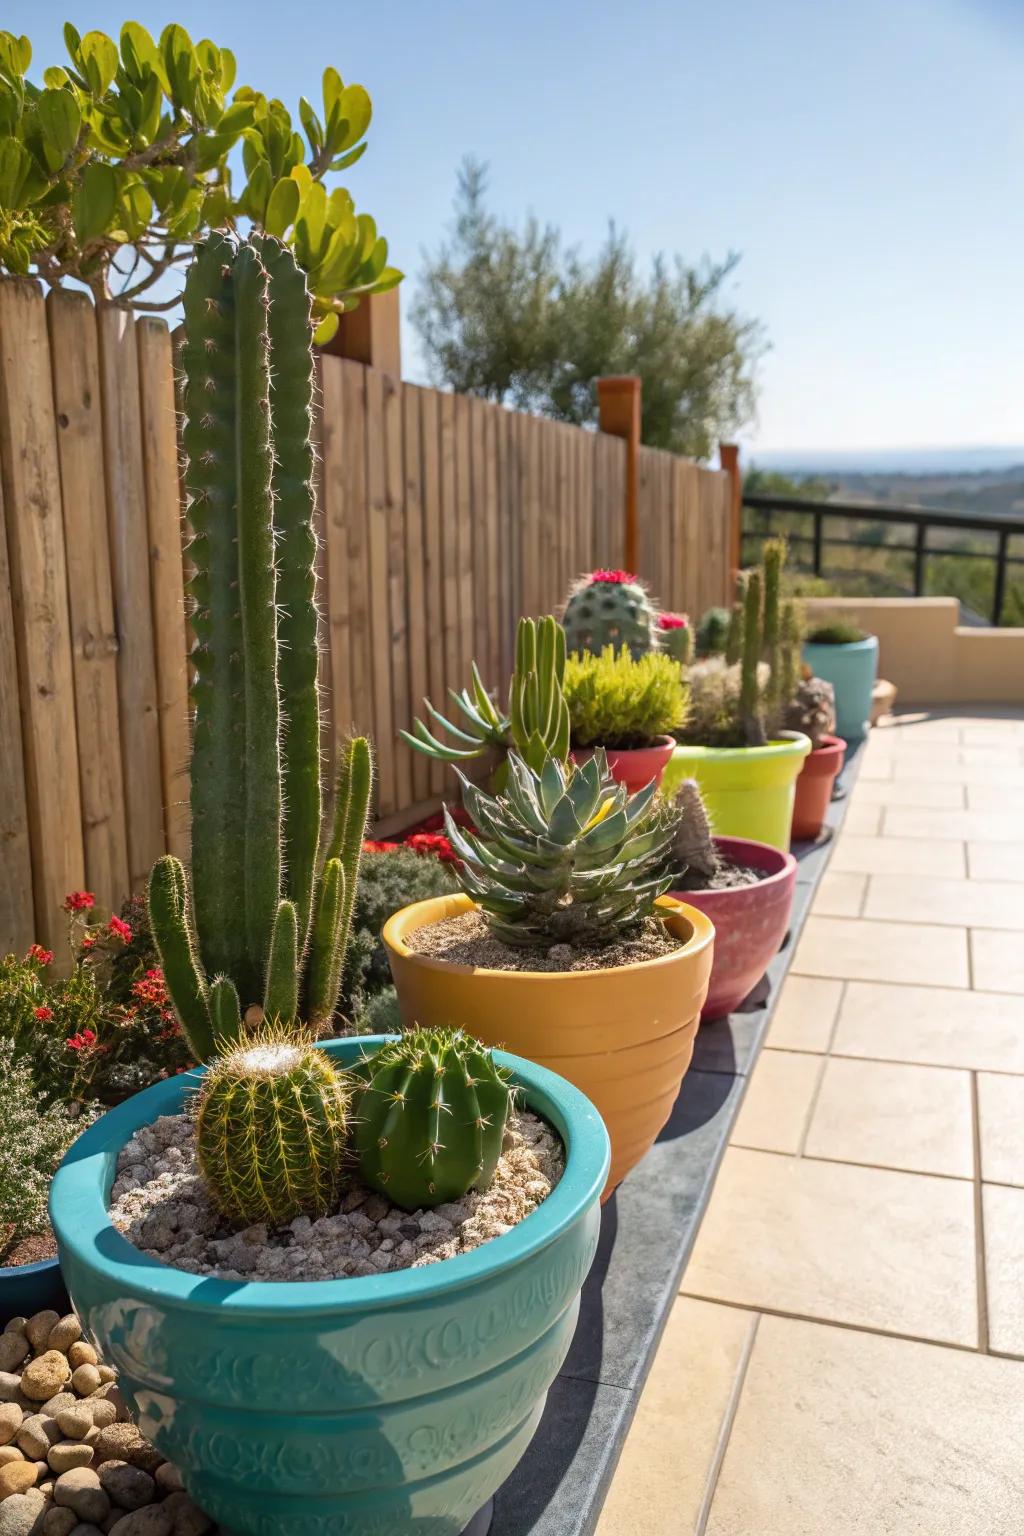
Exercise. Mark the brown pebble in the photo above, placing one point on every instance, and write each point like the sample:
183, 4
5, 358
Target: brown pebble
59, 1522
110, 1392
123, 1442
70, 1453
76, 1422
82, 1353
86, 1379
10, 1422
39, 1327
36, 1435
129, 1487
103, 1411
80, 1490
107, 1373
154, 1520
58, 1403
16, 1477
10, 1453
16, 1325
45, 1375
169, 1478
14, 1350
64, 1333
189, 1519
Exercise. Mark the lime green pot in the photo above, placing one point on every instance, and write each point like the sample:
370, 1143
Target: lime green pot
748, 791
386, 1405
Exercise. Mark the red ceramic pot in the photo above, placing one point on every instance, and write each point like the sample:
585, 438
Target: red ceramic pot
750, 921
814, 787
634, 766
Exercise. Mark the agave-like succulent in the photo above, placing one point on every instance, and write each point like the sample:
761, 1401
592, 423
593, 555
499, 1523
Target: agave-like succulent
563, 855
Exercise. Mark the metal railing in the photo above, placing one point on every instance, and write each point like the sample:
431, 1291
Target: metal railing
812, 542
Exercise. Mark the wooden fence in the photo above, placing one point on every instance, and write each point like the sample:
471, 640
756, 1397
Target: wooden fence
443, 518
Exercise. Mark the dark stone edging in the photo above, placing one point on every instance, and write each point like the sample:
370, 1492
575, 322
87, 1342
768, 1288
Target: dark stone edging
647, 1231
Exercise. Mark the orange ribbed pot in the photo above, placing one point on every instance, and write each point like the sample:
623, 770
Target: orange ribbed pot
623, 1036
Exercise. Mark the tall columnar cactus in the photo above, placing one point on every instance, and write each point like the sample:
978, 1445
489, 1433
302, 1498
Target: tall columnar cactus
610, 608
675, 637
269, 923
271, 1124
773, 556
431, 1119
750, 683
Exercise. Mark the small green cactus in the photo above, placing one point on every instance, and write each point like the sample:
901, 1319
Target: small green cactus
713, 632
693, 846
430, 1120
271, 1125
610, 608
675, 637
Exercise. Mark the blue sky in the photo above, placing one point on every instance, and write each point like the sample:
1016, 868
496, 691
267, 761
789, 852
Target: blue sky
864, 156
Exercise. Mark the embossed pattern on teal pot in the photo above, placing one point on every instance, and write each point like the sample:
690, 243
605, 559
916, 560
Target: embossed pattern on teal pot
411, 1396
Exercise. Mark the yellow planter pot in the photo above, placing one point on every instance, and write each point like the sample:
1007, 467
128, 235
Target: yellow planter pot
748, 791
623, 1036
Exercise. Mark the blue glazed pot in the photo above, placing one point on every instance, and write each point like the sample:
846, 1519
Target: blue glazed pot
851, 669
377, 1406
28, 1288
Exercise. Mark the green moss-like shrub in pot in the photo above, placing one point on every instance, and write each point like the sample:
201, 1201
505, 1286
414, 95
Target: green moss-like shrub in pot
847, 657
735, 743
388, 1401
629, 707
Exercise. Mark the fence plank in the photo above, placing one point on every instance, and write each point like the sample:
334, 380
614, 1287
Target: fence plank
76, 396
354, 490
463, 509
129, 547
336, 511
325, 651
476, 523
17, 922
164, 518
397, 591
35, 533
435, 578
375, 574
416, 580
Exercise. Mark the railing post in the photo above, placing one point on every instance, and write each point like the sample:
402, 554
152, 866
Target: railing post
618, 407
818, 536
371, 334
729, 460
1000, 589
920, 549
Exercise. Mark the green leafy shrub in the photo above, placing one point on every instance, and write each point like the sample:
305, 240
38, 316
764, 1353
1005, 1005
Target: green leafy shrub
387, 882
33, 1139
129, 150
837, 632
617, 702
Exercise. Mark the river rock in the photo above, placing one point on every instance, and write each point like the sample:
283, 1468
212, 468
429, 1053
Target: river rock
69, 1453
153, 1520
45, 1375
15, 1477
59, 1522
75, 1422
129, 1487
189, 1519
10, 1422
86, 1379
64, 1333
14, 1350
168, 1478
22, 1514
10, 1387
82, 1353
80, 1490
123, 1442
39, 1327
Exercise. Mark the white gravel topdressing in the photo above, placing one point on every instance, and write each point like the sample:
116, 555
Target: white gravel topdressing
160, 1204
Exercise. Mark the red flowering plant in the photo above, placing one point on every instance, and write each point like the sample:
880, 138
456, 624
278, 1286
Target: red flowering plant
106, 1029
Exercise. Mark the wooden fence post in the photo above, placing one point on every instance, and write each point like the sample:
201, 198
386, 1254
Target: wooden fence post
618, 405
371, 334
729, 459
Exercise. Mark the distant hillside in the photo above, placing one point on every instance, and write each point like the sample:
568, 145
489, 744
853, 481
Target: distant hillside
988, 493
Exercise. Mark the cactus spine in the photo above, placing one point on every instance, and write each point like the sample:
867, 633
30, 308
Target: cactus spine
271, 1123
610, 608
431, 1119
256, 797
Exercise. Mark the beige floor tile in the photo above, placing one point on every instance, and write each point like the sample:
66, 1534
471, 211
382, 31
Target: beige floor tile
942, 771
922, 754
996, 861
863, 819
991, 733
897, 952
935, 1026
875, 769
1004, 1266
996, 797
778, 1100
899, 856
893, 1116
1001, 1127
921, 728
910, 792
978, 903
839, 894
893, 1251
840, 1433
997, 960
805, 1013
979, 826
661, 1491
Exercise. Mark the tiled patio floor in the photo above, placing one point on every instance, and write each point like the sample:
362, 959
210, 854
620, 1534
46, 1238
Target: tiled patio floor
847, 1354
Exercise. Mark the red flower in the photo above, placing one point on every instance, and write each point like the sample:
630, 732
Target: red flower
434, 843
89, 942
120, 930
40, 955
81, 1042
79, 901
617, 578
673, 621
151, 989
369, 846
44, 1013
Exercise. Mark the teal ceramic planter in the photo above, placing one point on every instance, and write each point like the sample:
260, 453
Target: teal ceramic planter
381, 1406
32, 1288
851, 669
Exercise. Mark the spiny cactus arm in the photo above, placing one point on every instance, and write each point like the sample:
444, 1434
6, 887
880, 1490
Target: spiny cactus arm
281, 1000
789, 649
753, 725
225, 1013
773, 557
352, 792
257, 591
170, 920
291, 397
692, 845
218, 746
734, 634
326, 954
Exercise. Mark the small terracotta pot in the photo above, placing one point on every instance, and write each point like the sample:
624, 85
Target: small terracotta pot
623, 1035
814, 787
634, 767
750, 921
